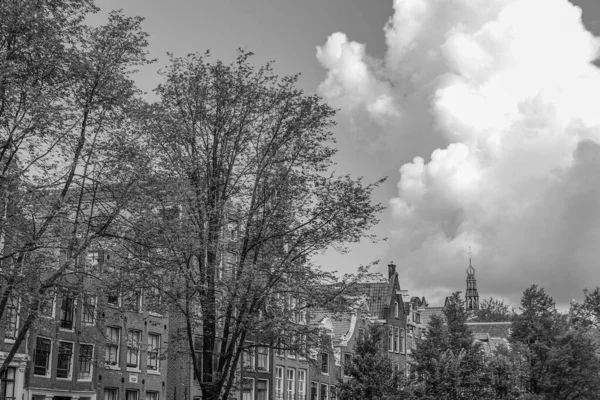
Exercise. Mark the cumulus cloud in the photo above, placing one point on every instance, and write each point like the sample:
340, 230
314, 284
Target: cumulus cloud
511, 87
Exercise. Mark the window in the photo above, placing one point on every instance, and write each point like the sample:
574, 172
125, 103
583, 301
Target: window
153, 362
86, 352
113, 340
279, 382
248, 389
347, 362
111, 394
153, 300
12, 321
332, 393
113, 297
66, 312
402, 341
47, 304
262, 390
325, 363
361, 334
291, 383
263, 358
92, 259
397, 309
314, 391
7, 384
248, 357
88, 314
41, 357
396, 339
391, 338
324, 392
132, 395
198, 352
151, 395
302, 384
65, 360
133, 349
132, 301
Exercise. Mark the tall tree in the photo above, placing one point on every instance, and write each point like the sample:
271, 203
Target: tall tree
448, 363
242, 192
371, 372
537, 327
67, 135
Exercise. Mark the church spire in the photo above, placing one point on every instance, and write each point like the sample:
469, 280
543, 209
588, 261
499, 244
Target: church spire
471, 295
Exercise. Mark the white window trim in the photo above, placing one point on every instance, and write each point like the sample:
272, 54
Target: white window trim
139, 352
91, 363
267, 386
282, 379
53, 316
305, 373
287, 380
74, 317
253, 388
252, 351
116, 365
268, 357
70, 375
17, 324
95, 298
328, 363
49, 369
157, 370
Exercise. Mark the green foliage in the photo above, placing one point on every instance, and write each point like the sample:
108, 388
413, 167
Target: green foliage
371, 372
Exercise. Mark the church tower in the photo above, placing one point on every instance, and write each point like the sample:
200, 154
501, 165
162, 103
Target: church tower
471, 296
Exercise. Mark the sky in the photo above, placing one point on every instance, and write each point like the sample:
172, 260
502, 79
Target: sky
483, 114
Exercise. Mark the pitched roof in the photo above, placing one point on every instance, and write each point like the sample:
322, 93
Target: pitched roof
493, 329
379, 295
428, 312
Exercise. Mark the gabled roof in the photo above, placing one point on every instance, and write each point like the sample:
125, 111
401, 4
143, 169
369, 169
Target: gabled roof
380, 294
428, 312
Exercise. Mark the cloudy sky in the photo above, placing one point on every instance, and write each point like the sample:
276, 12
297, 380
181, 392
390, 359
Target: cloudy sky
484, 115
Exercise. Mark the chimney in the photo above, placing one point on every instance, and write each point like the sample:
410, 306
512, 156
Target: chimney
391, 269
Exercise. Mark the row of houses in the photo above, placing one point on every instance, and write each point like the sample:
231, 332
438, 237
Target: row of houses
114, 348
109, 347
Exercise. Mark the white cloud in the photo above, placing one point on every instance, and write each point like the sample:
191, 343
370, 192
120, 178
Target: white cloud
511, 86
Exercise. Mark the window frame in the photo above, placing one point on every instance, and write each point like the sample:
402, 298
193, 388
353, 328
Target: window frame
262, 352
48, 358
128, 392
52, 300
133, 349
325, 363
249, 356
152, 392
290, 393
90, 361
64, 313
266, 381
110, 345
302, 382
14, 319
70, 360
321, 387
251, 387
279, 381
85, 308
153, 350
114, 391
